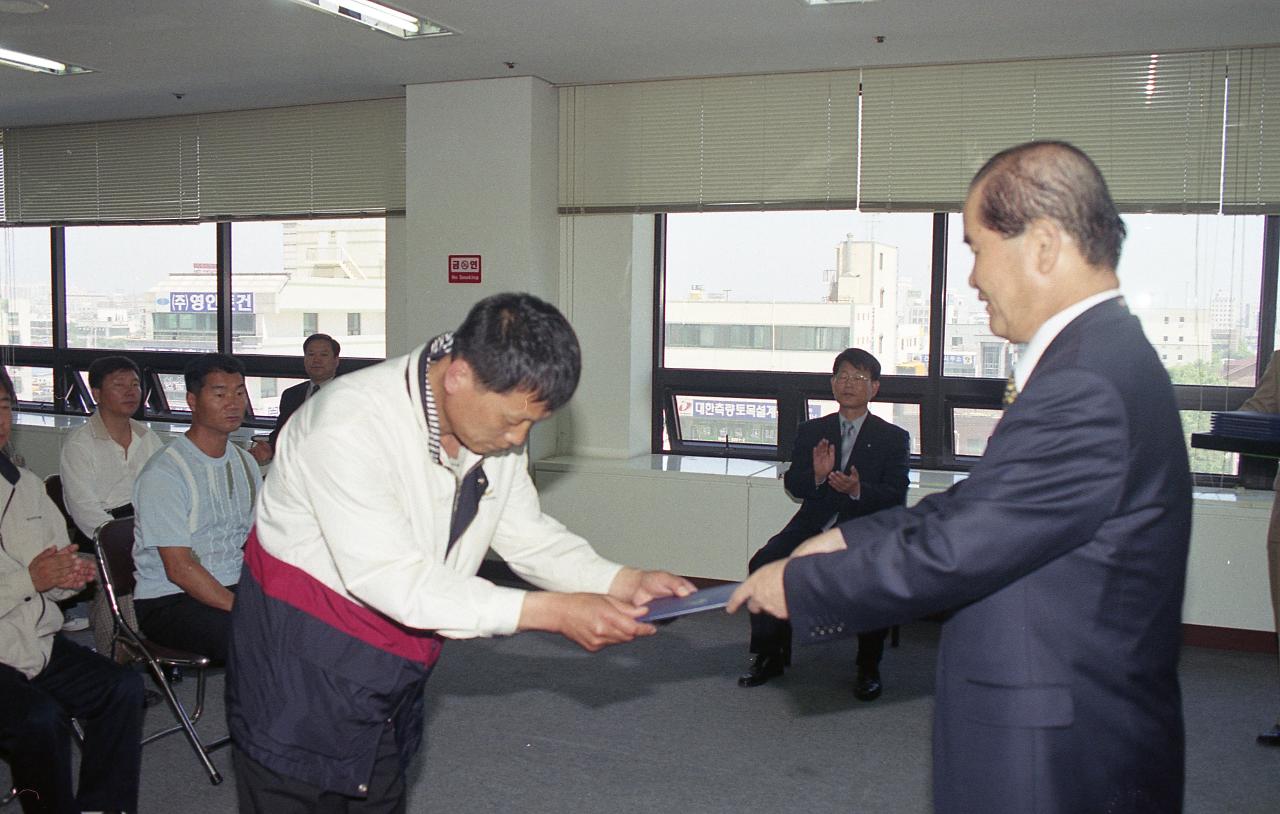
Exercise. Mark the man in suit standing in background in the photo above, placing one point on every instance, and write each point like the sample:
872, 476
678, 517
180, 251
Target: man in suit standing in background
1062, 557
320, 359
843, 465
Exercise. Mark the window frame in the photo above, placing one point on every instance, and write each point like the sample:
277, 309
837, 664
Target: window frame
70, 365
938, 395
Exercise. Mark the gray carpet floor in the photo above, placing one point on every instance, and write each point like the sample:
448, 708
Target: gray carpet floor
533, 724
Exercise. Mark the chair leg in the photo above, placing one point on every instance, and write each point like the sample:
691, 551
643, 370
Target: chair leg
215, 777
198, 710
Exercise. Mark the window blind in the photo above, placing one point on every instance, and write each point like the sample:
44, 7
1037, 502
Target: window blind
1252, 180
342, 158
778, 141
2, 216
1153, 124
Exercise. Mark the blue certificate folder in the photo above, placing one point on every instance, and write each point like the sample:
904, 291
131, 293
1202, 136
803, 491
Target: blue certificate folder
669, 607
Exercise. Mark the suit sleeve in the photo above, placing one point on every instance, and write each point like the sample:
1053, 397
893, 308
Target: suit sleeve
1053, 472
799, 476
288, 405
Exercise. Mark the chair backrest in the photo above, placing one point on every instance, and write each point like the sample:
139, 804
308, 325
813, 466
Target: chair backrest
53, 488
114, 544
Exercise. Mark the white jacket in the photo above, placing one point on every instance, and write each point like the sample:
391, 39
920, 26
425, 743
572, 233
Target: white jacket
28, 619
355, 500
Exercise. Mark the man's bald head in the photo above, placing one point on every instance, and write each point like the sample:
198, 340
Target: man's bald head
1054, 180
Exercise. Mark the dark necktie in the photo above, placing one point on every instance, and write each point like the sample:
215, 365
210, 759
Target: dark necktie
468, 502
847, 439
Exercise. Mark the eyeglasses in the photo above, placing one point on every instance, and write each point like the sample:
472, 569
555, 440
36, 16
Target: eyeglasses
845, 378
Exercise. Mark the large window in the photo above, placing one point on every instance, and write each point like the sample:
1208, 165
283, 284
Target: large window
786, 291
756, 305
26, 315
296, 278
161, 292
142, 287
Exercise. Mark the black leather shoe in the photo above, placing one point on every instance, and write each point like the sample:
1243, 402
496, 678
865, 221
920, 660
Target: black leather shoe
1271, 737
765, 667
867, 687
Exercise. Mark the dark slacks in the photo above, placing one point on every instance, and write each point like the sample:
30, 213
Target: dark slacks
35, 731
770, 634
180, 621
262, 791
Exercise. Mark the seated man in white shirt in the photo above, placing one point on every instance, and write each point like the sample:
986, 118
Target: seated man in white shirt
102, 457
194, 502
100, 461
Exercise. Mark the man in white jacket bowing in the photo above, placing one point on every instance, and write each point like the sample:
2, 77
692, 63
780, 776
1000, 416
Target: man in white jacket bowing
387, 490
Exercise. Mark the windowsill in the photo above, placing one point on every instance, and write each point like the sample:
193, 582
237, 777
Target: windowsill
66, 423
927, 481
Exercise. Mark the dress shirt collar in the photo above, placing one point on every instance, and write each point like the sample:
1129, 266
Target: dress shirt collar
98, 428
856, 423
1031, 352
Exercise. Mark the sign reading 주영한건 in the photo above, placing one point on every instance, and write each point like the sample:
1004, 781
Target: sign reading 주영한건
464, 268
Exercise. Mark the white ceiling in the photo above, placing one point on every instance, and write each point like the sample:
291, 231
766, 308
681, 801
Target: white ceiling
237, 54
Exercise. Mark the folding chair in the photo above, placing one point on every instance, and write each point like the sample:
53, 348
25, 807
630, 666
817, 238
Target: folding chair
99, 613
113, 543
53, 488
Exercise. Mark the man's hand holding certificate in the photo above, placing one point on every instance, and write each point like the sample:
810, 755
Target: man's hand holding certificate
763, 592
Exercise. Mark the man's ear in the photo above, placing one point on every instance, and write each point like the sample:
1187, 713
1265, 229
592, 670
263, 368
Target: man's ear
191, 401
1043, 241
458, 375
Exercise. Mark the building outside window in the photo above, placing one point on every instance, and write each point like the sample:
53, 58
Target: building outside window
785, 291
324, 270
153, 290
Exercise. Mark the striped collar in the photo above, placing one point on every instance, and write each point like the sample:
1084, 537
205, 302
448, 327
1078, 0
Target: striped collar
438, 348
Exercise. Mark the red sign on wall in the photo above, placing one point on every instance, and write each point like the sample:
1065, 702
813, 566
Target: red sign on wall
464, 268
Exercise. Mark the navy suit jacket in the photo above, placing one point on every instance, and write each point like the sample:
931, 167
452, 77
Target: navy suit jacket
1063, 559
290, 400
880, 454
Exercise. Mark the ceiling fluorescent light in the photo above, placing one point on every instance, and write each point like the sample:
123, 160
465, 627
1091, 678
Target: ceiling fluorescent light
833, 2
379, 17
27, 62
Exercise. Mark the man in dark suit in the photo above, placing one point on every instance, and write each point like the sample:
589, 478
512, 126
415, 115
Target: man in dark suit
844, 465
320, 359
1062, 557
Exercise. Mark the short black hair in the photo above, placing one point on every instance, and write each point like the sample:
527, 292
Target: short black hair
101, 368
333, 343
7, 385
204, 364
1054, 180
860, 359
516, 341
